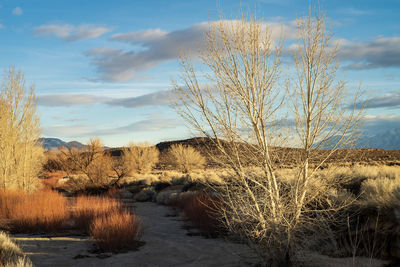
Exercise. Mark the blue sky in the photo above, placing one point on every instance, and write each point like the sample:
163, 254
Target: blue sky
104, 68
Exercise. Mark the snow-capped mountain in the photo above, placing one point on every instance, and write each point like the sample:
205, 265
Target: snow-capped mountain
54, 143
385, 140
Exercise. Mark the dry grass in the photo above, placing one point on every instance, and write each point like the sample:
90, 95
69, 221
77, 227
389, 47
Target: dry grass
116, 231
11, 254
87, 208
38, 211
381, 192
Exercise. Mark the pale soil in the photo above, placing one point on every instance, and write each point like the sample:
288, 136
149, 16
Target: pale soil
166, 244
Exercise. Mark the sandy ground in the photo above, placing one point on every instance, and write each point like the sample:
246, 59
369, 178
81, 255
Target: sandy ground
166, 244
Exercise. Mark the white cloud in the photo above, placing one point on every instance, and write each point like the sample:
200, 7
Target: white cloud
72, 33
159, 98
1, 26
68, 100
17, 11
154, 99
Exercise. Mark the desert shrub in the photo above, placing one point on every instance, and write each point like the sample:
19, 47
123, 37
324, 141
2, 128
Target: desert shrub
141, 157
38, 211
87, 208
11, 254
147, 194
202, 210
167, 197
186, 158
381, 192
158, 186
116, 231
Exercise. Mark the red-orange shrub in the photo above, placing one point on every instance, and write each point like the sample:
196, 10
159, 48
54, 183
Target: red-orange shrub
202, 210
116, 231
87, 208
38, 211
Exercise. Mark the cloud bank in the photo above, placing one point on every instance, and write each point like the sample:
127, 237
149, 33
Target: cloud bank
71, 33
390, 100
158, 47
159, 98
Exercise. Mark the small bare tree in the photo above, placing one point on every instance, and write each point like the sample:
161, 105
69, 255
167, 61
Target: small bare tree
21, 156
89, 160
186, 158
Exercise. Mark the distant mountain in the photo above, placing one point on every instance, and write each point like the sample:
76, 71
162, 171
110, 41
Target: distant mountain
389, 140
54, 143
386, 140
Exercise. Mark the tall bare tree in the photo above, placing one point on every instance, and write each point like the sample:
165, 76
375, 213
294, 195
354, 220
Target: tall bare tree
21, 155
237, 103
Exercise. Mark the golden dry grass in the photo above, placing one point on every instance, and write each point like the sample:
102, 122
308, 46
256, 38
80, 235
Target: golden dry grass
381, 192
116, 231
11, 254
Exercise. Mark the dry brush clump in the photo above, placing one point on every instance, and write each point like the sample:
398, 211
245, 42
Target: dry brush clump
186, 158
116, 231
33, 212
203, 211
136, 159
142, 157
11, 254
382, 192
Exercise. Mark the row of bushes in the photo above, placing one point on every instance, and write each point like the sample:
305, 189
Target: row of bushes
100, 168
104, 218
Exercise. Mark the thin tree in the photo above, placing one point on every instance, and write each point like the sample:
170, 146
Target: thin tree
323, 118
21, 156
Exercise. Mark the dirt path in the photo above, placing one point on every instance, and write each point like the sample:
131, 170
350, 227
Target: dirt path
166, 244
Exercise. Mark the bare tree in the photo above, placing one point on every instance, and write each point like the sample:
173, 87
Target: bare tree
89, 160
21, 155
237, 103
